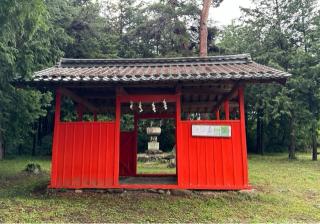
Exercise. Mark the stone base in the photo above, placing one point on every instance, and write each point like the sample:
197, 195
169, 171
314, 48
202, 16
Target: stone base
153, 151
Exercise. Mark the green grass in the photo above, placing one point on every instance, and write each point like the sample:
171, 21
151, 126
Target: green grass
155, 168
286, 192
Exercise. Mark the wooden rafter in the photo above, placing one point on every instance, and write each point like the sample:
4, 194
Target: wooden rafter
226, 97
79, 99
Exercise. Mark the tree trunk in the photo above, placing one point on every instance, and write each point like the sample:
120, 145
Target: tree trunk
259, 140
314, 141
33, 152
40, 131
204, 28
20, 150
1, 147
292, 144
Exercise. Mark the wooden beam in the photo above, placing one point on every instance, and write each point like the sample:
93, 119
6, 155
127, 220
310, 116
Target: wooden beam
155, 116
226, 97
204, 90
207, 104
147, 98
79, 99
100, 97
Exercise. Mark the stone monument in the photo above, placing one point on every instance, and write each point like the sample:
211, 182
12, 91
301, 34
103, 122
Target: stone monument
153, 144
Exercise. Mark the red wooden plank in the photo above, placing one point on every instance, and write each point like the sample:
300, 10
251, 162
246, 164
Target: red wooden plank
77, 155
214, 161
186, 139
83, 155
193, 161
111, 155
227, 162
201, 147
86, 173
238, 157
66, 155
209, 147
60, 154
102, 154
94, 155
108, 156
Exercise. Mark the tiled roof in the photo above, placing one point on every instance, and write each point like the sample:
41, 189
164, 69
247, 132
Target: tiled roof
231, 67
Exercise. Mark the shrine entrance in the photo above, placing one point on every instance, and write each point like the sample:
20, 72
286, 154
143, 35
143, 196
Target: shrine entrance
147, 140
95, 147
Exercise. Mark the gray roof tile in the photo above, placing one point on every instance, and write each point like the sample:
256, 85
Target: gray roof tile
229, 67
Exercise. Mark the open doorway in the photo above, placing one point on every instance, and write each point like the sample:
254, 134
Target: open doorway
156, 152
147, 146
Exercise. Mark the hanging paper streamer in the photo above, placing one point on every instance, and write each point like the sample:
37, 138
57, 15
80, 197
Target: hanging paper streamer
165, 105
154, 107
131, 105
140, 107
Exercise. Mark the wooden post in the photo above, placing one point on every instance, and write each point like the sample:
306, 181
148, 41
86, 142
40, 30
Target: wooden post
227, 109
135, 125
178, 139
243, 135
218, 115
55, 139
117, 138
95, 117
80, 112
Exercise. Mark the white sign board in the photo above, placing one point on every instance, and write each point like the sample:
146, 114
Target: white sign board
211, 131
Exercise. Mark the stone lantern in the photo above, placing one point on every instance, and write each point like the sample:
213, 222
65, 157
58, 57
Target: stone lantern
153, 144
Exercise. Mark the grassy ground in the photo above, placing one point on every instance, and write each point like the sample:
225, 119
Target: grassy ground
286, 192
154, 168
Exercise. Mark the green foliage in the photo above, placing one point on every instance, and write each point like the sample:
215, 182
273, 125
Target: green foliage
25, 46
284, 34
281, 34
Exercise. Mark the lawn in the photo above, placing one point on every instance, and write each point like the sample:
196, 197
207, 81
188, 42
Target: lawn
154, 168
286, 192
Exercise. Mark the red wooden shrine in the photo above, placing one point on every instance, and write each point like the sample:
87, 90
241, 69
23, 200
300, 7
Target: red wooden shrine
198, 91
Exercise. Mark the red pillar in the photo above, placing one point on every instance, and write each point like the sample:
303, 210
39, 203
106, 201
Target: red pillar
243, 136
55, 139
227, 110
178, 139
117, 139
218, 115
135, 124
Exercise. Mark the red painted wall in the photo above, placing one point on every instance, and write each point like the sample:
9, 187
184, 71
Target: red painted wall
211, 162
83, 155
86, 154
